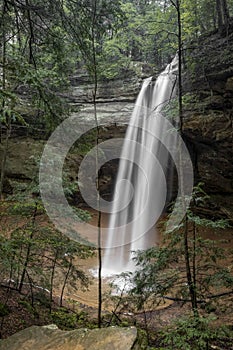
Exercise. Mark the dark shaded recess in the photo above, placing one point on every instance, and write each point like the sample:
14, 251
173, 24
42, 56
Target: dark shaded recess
107, 178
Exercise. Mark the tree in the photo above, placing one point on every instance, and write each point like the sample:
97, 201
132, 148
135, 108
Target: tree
32, 253
162, 271
32, 77
222, 14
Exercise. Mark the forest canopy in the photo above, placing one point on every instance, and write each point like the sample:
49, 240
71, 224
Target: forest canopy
44, 43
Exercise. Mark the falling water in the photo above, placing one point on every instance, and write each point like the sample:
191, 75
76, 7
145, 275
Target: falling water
141, 187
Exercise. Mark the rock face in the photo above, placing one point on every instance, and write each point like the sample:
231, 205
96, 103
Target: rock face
51, 338
208, 116
123, 89
115, 103
115, 98
208, 120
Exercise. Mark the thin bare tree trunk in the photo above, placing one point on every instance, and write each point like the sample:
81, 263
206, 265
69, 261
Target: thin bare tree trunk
27, 258
189, 276
95, 80
52, 279
3, 165
65, 281
219, 14
225, 12
8, 122
222, 14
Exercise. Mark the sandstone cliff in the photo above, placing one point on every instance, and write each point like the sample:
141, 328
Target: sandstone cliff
208, 121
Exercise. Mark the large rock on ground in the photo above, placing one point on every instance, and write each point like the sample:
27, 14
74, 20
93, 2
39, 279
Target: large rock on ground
50, 338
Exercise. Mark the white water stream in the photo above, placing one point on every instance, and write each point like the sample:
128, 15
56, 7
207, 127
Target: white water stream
141, 187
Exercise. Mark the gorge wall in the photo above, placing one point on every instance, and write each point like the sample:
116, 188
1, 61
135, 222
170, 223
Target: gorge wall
208, 116
208, 122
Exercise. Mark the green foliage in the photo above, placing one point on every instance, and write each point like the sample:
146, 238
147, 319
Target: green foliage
171, 109
142, 339
105, 37
28, 307
147, 35
33, 247
85, 143
162, 270
83, 215
43, 299
113, 61
29, 74
33, 251
64, 319
190, 100
4, 310
25, 208
193, 334
67, 320
39, 59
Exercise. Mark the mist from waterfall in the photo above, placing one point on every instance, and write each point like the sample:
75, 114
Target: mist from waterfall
145, 167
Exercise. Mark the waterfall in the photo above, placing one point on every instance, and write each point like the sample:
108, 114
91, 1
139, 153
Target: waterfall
141, 187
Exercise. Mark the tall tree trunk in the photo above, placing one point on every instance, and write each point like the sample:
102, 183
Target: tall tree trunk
180, 92
52, 279
219, 13
31, 58
95, 81
26, 261
189, 276
3, 165
8, 124
194, 272
225, 13
222, 14
65, 281
185, 233
28, 252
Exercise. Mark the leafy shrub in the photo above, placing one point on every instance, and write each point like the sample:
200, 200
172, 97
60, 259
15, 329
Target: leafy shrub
64, 319
4, 310
193, 333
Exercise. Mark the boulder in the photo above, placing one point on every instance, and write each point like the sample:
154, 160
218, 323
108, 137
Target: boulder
23, 156
52, 338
